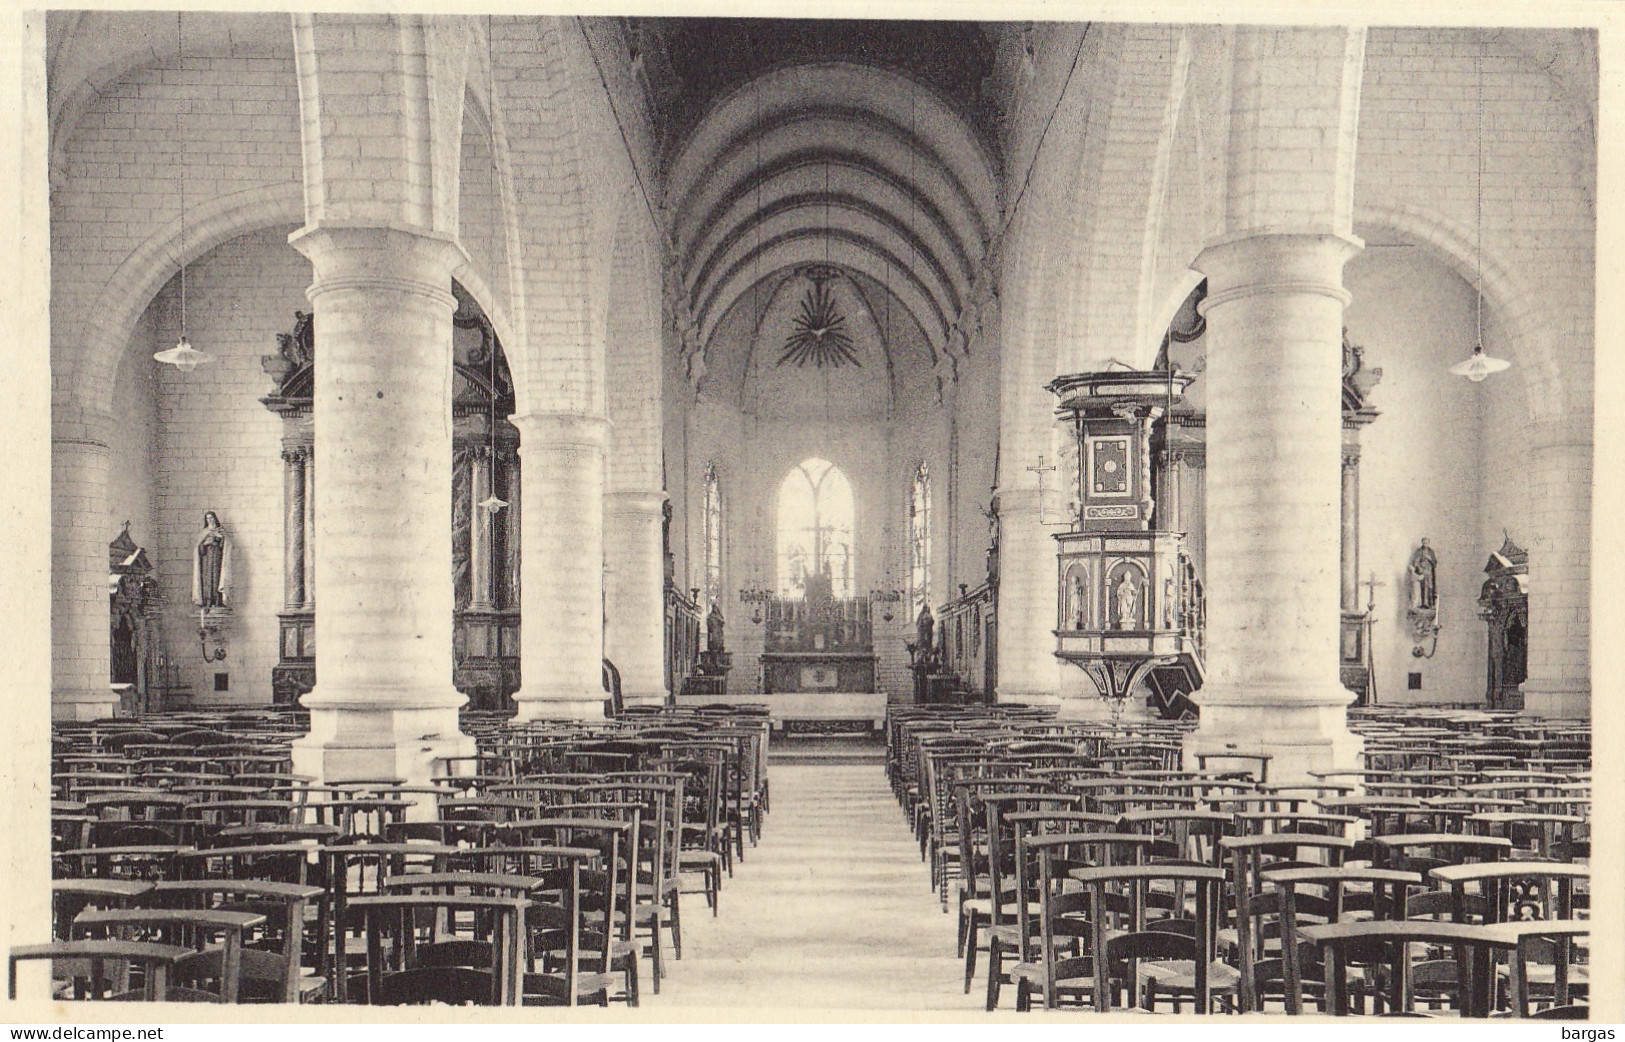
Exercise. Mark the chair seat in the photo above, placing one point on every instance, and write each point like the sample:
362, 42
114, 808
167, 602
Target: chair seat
984, 906
1181, 973
1545, 973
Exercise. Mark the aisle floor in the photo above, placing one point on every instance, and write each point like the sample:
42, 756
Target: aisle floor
833, 910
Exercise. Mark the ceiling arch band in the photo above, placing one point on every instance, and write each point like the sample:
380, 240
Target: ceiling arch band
833, 163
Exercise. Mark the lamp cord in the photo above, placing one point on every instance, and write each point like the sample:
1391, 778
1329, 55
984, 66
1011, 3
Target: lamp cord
1478, 214
180, 52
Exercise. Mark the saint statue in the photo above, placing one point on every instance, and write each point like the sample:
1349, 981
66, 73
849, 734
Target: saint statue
1424, 581
713, 629
924, 626
211, 564
1127, 600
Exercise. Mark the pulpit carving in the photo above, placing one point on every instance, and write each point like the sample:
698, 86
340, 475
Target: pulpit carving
1127, 598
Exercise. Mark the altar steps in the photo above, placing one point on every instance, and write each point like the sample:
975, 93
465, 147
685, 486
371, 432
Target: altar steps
828, 751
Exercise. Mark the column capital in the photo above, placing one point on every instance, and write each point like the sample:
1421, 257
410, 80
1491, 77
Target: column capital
1018, 500
73, 424
635, 501
369, 256
561, 429
1295, 261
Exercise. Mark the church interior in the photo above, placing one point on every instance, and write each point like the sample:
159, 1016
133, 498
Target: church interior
1007, 516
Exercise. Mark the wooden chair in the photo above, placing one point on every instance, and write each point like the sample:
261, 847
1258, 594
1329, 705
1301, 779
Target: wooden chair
1473, 947
555, 923
1545, 945
608, 889
1255, 906
271, 968
1512, 891
69, 897
1425, 850
1056, 954
997, 854
1337, 892
103, 969
189, 928
146, 861
396, 974
353, 870
1141, 961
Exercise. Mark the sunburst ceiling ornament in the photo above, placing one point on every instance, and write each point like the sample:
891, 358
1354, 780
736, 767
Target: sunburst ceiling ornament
819, 335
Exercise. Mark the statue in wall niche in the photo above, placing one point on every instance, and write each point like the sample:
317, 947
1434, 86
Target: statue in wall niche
1128, 598
211, 564
713, 629
1424, 580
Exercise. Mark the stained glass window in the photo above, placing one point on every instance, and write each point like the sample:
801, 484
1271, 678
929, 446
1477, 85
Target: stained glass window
713, 534
815, 531
919, 539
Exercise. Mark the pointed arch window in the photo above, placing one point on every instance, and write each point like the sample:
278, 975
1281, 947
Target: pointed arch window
815, 530
919, 539
713, 534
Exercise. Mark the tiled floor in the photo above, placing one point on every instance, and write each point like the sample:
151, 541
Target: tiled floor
832, 911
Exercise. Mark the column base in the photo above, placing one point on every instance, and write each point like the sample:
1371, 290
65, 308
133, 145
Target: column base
1554, 702
1300, 733
1006, 695
548, 707
648, 698
1093, 708
82, 706
359, 742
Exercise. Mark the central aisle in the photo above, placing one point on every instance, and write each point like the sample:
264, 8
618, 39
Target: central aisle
832, 911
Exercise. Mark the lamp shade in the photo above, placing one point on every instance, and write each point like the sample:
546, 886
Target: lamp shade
1479, 365
492, 504
183, 356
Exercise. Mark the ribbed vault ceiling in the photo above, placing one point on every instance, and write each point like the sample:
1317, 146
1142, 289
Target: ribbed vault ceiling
834, 163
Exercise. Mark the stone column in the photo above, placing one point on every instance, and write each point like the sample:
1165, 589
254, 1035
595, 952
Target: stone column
81, 669
1349, 552
1559, 468
479, 532
1029, 672
384, 705
634, 588
310, 529
293, 529
561, 643
1274, 312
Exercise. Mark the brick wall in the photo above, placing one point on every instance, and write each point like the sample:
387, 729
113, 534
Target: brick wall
217, 448
227, 123
132, 492
1421, 474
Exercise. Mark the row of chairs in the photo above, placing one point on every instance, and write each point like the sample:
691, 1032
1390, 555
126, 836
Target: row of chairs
1092, 870
539, 871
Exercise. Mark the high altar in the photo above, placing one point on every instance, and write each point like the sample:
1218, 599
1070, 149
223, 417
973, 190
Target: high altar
818, 643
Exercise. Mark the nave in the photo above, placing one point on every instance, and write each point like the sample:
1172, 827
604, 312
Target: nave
830, 913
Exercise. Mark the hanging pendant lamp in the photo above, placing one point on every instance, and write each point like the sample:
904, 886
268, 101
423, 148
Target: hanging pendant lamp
1479, 365
183, 355
493, 502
